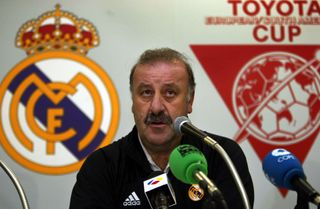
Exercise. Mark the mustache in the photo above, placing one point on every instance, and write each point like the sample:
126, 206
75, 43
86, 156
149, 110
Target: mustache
158, 118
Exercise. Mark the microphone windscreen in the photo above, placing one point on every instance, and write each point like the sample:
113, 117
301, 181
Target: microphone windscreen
178, 122
280, 167
185, 160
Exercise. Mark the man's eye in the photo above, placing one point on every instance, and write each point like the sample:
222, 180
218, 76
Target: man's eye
146, 92
170, 93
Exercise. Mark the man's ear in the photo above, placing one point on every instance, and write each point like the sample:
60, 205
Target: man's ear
132, 107
190, 102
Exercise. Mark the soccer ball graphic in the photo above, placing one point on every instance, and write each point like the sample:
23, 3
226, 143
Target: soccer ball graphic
276, 98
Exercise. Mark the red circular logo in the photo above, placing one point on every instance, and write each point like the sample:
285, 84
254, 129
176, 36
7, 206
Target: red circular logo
276, 98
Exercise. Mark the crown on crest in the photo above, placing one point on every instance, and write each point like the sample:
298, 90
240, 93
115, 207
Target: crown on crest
57, 30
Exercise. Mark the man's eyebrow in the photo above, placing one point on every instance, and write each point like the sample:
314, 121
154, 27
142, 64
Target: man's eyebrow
171, 84
143, 85
146, 85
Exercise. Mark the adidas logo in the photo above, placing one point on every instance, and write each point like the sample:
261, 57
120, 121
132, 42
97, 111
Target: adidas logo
132, 200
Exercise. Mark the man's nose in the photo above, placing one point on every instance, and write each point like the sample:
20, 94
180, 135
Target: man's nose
157, 105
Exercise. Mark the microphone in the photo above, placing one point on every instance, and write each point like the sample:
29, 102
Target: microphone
284, 170
189, 165
158, 191
182, 125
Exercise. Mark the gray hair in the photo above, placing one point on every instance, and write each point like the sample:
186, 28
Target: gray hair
167, 55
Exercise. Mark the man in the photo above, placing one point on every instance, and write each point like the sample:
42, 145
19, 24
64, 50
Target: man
162, 87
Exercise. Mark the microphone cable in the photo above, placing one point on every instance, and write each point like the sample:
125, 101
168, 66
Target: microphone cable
17, 185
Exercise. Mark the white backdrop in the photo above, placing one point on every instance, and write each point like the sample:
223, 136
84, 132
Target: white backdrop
126, 28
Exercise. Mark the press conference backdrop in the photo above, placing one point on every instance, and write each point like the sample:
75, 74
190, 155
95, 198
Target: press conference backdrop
255, 63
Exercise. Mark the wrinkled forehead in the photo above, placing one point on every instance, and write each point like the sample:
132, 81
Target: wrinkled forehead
160, 74
162, 62
162, 59
160, 69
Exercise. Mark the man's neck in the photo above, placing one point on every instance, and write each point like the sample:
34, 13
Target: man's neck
160, 160
159, 155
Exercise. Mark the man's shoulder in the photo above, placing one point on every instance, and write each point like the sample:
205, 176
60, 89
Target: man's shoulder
224, 141
107, 157
127, 146
220, 139
230, 146
117, 147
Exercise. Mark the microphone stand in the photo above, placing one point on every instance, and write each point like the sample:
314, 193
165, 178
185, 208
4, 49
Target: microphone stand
214, 193
209, 203
214, 199
305, 194
302, 201
17, 184
214, 145
161, 201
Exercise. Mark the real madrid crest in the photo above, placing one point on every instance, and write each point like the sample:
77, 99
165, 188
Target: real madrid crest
195, 192
57, 105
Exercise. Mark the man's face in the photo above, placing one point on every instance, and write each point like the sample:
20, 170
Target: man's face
159, 95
